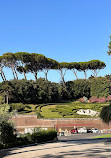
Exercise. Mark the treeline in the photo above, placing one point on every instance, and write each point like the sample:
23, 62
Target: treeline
43, 91
24, 63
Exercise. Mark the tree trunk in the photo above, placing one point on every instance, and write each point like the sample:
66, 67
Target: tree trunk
23, 72
13, 72
62, 77
75, 73
85, 74
3, 75
46, 74
35, 74
24, 75
16, 73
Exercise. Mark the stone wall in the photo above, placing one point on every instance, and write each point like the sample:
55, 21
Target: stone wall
24, 122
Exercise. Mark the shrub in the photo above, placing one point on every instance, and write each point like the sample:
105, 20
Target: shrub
83, 100
105, 114
100, 87
93, 100
36, 137
17, 106
7, 132
108, 98
78, 88
102, 100
39, 116
2, 100
1, 146
43, 136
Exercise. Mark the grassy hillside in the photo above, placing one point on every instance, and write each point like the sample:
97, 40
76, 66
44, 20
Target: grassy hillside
68, 110
58, 110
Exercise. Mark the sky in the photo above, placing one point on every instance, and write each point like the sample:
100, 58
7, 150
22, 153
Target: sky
64, 30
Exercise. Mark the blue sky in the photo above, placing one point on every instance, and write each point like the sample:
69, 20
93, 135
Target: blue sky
64, 30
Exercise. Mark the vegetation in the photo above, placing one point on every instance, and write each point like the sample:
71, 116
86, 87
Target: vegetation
6, 128
35, 137
68, 110
100, 87
104, 136
23, 62
106, 114
43, 91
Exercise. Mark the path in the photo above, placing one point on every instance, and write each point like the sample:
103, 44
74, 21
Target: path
85, 148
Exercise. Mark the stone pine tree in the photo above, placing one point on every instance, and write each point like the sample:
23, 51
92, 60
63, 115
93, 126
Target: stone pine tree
1, 69
23, 59
48, 65
83, 66
95, 66
10, 61
62, 68
35, 64
74, 66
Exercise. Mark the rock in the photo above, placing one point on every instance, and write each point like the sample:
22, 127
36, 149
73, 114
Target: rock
87, 112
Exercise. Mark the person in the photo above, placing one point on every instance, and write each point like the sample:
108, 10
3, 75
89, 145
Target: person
60, 130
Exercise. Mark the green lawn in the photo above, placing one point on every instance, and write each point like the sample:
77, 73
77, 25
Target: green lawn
68, 110
104, 136
62, 110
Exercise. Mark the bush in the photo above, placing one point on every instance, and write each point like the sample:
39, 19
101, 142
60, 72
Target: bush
17, 106
7, 132
93, 100
2, 100
102, 100
105, 114
1, 146
78, 88
43, 136
108, 98
83, 100
36, 137
39, 116
100, 87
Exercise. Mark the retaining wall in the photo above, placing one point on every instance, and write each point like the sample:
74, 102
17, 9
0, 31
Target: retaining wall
24, 123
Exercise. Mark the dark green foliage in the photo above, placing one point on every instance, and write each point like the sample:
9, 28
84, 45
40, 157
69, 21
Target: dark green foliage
43, 91
109, 47
34, 92
43, 136
17, 106
105, 114
36, 137
100, 87
7, 132
39, 116
78, 88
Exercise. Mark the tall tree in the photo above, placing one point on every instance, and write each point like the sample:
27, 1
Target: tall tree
74, 66
10, 61
84, 66
1, 69
35, 64
23, 59
48, 65
109, 46
95, 66
62, 68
